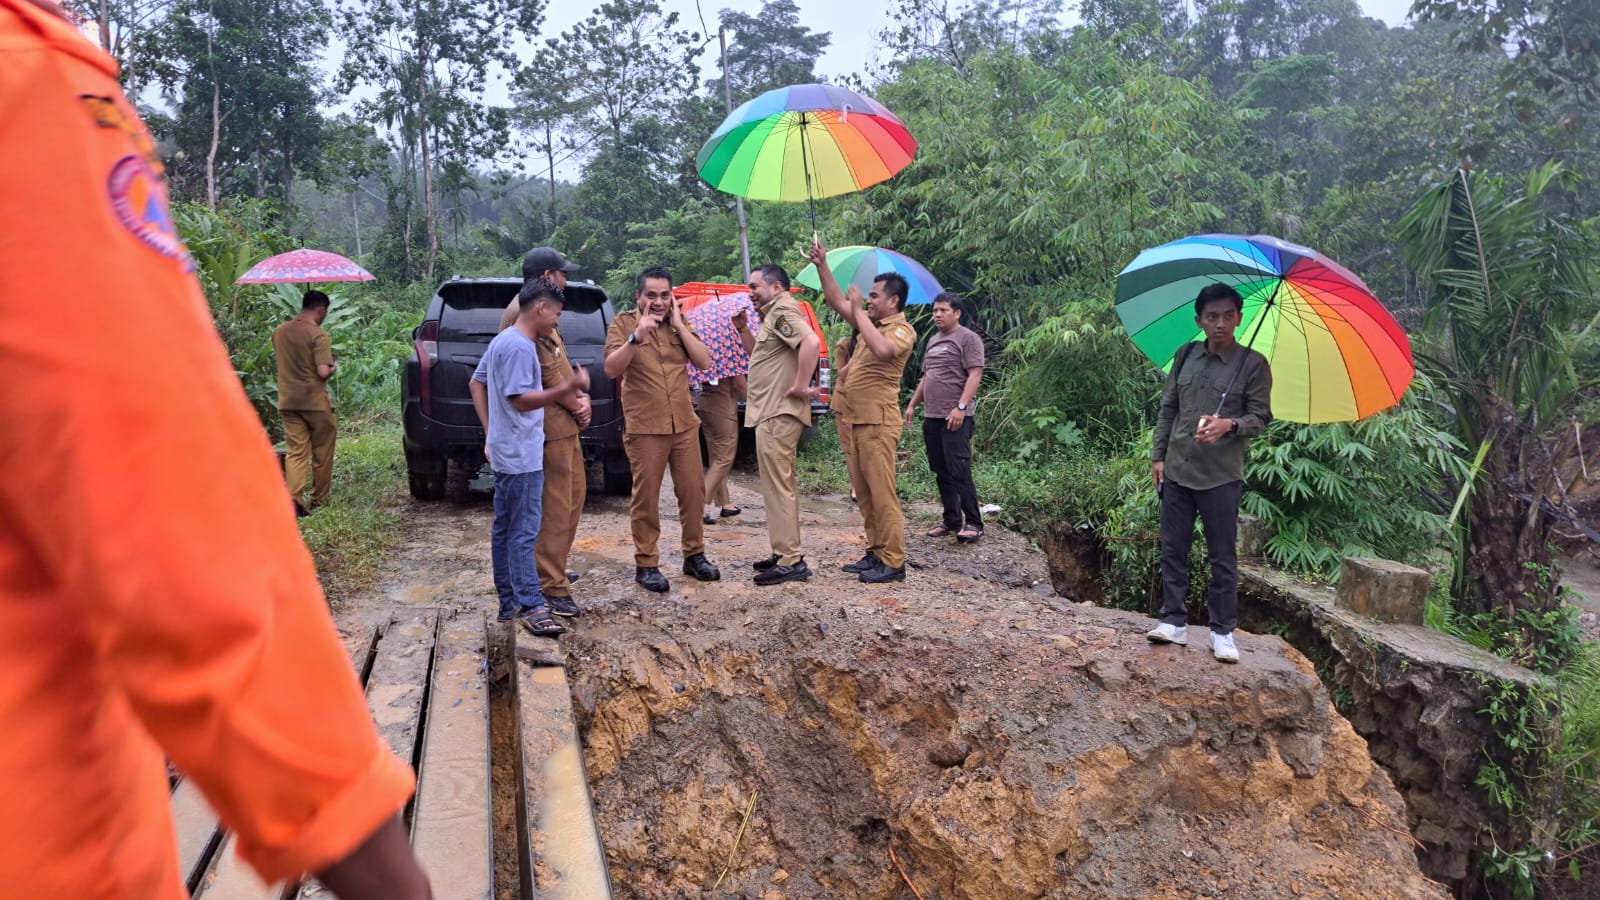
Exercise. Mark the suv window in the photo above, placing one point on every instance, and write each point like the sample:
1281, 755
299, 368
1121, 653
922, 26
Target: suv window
471, 312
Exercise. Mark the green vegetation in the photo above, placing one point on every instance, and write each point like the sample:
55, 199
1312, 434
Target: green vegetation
350, 535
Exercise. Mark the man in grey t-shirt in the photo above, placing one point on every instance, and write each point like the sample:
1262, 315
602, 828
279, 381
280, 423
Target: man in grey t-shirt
510, 400
952, 366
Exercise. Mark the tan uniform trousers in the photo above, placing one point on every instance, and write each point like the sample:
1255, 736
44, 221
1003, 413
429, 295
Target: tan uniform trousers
650, 455
873, 479
719, 420
310, 436
566, 486
777, 440
847, 447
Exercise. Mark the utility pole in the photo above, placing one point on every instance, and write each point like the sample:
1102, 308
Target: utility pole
738, 202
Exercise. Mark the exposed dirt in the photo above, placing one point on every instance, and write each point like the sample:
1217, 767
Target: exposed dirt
1003, 741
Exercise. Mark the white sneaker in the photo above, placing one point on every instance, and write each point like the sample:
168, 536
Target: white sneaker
1169, 634
1223, 649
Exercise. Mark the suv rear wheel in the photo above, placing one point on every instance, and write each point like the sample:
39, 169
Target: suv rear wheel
618, 475
426, 475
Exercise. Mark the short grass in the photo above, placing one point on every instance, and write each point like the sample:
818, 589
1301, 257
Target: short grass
349, 535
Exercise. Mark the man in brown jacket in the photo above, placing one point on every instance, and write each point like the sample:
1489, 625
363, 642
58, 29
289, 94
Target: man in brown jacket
305, 363
649, 347
869, 400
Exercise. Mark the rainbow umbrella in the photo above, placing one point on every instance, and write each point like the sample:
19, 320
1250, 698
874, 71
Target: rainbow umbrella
861, 266
803, 142
1336, 353
304, 267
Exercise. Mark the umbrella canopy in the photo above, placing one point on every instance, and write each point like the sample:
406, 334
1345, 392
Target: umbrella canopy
802, 142
711, 314
304, 267
861, 266
1336, 353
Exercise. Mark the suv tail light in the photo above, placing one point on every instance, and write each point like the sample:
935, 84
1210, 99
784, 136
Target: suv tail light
427, 354
824, 381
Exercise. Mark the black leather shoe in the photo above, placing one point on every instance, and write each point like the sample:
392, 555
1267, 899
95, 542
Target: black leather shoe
861, 565
701, 569
728, 511
563, 606
708, 521
651, 579
883, 574
761, 565
779, 574
572, 577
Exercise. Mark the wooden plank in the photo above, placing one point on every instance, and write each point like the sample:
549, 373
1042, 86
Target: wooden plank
231, 879
451, 828
196, 827
398, 684
228, 877
570, 863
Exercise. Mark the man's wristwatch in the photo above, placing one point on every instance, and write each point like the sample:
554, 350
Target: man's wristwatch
963, 406
1234, 427
633, 337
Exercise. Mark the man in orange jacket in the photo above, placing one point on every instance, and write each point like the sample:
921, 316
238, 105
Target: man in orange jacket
155, 597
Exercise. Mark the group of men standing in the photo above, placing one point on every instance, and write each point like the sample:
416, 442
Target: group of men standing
533, 404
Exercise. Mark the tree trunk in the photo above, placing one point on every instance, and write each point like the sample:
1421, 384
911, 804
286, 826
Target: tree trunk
216, 111
1508, 567
550, 154
429, 213
355, 216
105, 25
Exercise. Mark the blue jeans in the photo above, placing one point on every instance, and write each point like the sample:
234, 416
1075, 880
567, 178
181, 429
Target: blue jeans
517, 511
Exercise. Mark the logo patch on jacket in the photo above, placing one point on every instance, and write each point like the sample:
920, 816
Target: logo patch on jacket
139, 199
784, 328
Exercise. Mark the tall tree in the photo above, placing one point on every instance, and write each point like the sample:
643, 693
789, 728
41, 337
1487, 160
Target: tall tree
133, 32
429, 65
245, 84
1508, 282
769, 49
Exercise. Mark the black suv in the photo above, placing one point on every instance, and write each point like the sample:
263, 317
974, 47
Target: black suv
443, 440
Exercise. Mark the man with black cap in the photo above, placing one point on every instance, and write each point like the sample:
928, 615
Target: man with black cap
566, 485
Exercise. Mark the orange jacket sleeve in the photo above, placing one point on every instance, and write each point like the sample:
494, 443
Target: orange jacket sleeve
140, 487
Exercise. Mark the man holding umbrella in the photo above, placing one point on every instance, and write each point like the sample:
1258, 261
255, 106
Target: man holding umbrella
870, 401
305, 363
1197, 461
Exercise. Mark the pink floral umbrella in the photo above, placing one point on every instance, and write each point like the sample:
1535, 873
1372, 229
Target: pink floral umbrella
304, 266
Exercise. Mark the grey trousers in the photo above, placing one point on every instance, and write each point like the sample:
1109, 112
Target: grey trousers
1218, 509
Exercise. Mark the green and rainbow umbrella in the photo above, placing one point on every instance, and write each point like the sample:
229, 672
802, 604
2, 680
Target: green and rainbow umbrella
803, 142
1336, 353
861, 266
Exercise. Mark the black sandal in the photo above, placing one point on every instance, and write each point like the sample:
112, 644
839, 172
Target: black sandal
938, 531
969, 534
728, 511
540, 624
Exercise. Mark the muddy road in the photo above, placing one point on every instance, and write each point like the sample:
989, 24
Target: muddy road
443, 558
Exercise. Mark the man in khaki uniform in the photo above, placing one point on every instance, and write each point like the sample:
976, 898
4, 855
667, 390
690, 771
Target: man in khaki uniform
718, 409
305, 363
566, 484
869, 400
649, 347
782, 360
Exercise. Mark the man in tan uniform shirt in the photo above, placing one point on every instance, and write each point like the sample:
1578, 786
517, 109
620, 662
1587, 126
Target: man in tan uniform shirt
305, 363
782, 360
649, 347
870, 400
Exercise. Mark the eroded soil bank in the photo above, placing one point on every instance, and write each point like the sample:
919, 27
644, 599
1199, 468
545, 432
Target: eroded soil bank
1003, 741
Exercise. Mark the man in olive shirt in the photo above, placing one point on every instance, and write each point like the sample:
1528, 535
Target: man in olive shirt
305, 363
649, 347
952, 366
1217, 396
540, 262
782, 360
870, 400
